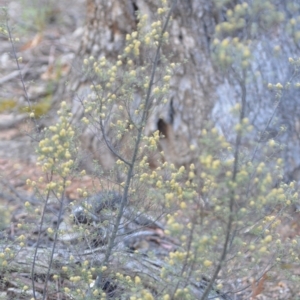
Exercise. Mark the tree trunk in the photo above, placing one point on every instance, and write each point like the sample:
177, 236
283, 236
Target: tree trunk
201, 91
193, 85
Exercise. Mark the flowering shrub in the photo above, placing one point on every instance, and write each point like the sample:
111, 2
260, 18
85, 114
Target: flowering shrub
217, 220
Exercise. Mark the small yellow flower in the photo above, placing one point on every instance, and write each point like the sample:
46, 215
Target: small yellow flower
137, 280
182, 205
207, 263
268, 239
160, 11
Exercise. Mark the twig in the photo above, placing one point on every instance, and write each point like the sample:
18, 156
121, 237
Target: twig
20, 72
231, 201
37, 245
136, 147
270, 119
12, 75
187, 256
55, 240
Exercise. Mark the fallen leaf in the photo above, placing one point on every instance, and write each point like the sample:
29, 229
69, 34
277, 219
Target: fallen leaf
33, 43
259, 287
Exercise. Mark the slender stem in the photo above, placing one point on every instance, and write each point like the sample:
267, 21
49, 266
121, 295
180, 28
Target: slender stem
37, 244
106, 140
20, 72
270, 119
136, 147
187, 256
109, 146
231, 199
60, 213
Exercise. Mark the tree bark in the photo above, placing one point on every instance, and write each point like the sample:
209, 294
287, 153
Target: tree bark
201, 92
193, 86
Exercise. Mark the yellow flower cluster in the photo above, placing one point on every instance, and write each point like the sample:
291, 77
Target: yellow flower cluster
56, 152
133, 45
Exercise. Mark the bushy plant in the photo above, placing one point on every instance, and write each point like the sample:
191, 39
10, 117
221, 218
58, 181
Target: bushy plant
222, 211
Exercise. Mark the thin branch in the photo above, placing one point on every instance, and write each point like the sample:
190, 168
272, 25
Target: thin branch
55, 241
269, 121
20, 72
232, 195
113, 151
13, 75
109, 146
187, 256
263, 133
111, 242
37, 245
